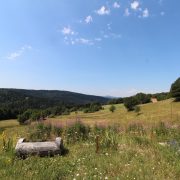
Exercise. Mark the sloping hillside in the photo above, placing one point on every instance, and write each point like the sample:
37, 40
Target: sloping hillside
150, 114
12, 95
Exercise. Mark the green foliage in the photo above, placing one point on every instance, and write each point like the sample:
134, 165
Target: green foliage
142, 141
143, 98
109, 138
66, 112
175, 90
161, 130
161, 96
22, 118
16, 101
77, 132
137, 109
130, 103
116, 101
112, 108
40, 132
58, 131
93, 107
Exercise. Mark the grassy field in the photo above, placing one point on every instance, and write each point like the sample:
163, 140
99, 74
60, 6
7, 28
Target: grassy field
133, 153
151, 114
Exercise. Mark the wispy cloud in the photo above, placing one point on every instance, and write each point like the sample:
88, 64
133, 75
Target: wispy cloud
88, 19
84, 41
19, 52
116, 5
67, 31
126, 12
145, 13
103, 11
78, 40
134, 5
111, 35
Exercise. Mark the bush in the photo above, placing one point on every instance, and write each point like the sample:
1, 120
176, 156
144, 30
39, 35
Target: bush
143, 98
112, 108
130, 103
94, 107
22, 118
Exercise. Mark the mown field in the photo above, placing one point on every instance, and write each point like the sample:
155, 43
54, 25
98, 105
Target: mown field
130, 149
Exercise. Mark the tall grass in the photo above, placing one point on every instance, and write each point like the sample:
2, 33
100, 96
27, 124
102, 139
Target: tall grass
128, 154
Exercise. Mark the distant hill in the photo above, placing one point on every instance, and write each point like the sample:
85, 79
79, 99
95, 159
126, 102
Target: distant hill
52, 97
16, 101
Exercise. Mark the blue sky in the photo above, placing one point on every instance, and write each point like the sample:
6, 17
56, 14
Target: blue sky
100, 47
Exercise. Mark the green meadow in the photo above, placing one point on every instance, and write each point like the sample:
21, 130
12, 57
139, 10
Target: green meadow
128, 145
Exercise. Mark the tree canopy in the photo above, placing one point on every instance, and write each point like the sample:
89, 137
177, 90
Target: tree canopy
175, 90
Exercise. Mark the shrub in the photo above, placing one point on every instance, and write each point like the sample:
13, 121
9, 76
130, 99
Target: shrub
94, 107
22, 118
143, 98
112, 108
130, 103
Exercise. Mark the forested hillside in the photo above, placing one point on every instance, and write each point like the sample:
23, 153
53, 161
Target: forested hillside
15, 101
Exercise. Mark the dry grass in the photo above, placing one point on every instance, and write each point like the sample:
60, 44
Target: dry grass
150, 115
8, 123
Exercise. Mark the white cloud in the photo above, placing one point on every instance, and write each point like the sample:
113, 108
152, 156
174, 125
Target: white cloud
134, 5
18, 53
103, 11
67, 31
89, 19
126, 12
116, 5
145, 13
84, 41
